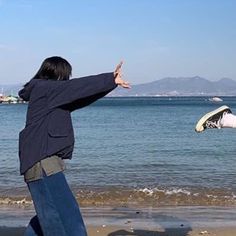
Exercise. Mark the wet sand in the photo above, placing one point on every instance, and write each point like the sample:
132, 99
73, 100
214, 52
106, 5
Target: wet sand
122, 221
122, 231
126, 230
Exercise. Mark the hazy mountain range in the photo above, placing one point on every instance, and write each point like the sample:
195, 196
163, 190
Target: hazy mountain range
180, 86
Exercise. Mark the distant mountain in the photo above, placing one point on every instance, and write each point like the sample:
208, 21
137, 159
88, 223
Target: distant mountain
181, 86
170, 86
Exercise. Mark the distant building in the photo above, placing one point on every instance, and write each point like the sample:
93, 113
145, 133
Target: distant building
8, 99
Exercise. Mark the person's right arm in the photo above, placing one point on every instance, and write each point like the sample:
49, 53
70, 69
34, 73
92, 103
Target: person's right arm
77, 93
77, 90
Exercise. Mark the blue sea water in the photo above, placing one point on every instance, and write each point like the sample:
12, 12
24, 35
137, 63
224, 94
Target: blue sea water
136, 149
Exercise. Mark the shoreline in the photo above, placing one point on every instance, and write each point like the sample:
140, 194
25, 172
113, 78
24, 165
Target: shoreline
120, 221
145, 197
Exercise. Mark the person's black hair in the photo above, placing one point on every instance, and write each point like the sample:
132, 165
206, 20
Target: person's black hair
54, 68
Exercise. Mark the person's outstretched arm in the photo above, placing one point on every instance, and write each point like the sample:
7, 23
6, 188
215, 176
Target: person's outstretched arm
77, 93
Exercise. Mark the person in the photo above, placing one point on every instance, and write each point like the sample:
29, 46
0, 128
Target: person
221, 117
48, 139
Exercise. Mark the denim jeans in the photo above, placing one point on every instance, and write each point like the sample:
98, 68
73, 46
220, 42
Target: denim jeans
57, 210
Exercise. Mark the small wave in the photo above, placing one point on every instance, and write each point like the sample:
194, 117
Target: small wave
180, 196
176, 191
12, 201
147, 191
167, 192
115, 196
157, 197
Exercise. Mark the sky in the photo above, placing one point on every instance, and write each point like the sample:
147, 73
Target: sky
154, 38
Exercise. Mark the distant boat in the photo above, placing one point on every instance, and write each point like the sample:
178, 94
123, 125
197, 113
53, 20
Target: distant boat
215, 99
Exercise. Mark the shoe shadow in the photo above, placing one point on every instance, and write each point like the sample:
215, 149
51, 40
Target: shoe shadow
167, 232
167, 225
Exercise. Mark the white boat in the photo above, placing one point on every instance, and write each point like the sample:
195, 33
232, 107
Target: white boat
215, 99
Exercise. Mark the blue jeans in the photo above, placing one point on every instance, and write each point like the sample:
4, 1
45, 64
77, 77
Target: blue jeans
57, 210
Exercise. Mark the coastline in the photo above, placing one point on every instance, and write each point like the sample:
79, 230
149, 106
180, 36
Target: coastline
159, 188
120, 221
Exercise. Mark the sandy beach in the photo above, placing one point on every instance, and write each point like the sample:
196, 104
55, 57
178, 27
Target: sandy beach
122, 221
124, 230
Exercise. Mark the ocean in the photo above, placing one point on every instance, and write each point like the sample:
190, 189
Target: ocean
135, 151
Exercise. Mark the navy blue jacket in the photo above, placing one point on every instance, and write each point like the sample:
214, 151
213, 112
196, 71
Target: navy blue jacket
48, 128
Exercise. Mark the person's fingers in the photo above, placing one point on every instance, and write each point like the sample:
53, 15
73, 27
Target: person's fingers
125, 85
120, 64
118, 67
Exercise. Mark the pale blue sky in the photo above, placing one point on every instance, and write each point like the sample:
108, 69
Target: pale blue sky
155, 38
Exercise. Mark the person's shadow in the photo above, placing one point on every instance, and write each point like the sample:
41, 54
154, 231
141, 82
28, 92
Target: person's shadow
140, 232
168, 225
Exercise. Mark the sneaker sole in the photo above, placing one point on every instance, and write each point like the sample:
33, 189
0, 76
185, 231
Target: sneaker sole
199, 126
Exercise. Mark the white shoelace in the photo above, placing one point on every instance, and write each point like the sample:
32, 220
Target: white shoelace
217, 123
213, 124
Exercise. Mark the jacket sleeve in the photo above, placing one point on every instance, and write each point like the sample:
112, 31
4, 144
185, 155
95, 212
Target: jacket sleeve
83, 102
77, 93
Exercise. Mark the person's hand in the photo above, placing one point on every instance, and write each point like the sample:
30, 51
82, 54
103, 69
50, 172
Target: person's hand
118, 77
